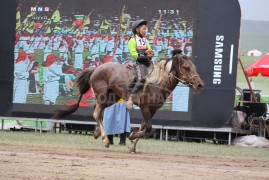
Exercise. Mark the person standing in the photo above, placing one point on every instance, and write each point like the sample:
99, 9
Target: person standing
21, 75
51, 75
63, 49
79, 53
34, 78
48, 49
116, 120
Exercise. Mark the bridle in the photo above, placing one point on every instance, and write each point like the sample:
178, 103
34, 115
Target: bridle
184, 80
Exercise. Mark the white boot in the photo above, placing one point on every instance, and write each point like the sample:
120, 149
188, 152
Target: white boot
129, 103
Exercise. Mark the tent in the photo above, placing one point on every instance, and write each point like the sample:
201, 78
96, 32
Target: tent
260, 66
254, 52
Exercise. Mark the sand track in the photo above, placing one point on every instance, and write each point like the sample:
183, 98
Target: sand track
32, 162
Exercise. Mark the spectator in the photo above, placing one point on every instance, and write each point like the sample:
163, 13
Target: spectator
117, 121
34, 78
51, 74
20, 78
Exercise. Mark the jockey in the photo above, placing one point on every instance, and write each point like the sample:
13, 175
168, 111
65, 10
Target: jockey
141, 51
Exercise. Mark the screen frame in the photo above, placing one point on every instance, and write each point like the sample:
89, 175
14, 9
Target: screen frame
213, 18
160, 116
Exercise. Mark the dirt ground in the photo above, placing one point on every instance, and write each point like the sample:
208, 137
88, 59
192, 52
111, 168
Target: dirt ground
32, 162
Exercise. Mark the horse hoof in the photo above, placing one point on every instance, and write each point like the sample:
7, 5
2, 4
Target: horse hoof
132, 150
96, 134
106, 144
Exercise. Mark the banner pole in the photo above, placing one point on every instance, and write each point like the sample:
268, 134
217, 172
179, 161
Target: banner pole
250, 87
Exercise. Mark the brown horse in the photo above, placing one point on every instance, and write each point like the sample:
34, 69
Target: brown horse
111, 81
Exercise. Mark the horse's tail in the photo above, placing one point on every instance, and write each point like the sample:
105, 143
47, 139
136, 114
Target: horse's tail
83, 84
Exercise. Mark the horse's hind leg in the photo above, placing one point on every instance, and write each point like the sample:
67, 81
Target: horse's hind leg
97, 133
132, 147
98, 117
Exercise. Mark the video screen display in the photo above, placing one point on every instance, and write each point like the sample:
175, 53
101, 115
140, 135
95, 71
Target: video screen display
55, 41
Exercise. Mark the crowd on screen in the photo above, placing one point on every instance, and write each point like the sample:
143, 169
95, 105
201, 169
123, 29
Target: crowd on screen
51, 54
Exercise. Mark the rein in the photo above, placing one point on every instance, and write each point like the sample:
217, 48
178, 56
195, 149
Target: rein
185, 80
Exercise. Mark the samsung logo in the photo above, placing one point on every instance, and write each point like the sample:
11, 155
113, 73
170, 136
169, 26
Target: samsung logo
40, 9
218, 59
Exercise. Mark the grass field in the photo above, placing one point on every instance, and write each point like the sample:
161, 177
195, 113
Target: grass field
254, 35
64, 140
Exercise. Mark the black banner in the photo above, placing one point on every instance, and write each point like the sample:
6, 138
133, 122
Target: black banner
216, 52
207, 29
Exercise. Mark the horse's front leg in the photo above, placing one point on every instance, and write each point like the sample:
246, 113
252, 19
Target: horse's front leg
134, 137
145, 127
132, 147
145, 124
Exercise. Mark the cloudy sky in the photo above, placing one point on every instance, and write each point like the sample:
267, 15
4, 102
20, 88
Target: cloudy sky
255, 9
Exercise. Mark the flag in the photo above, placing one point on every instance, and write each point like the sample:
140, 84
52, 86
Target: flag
56, 16
183, 24
78, 33
18, 20
46, 26
157, 24
72, 28
28, 23
86, 22
32, 14
76, 24
105, 24
126, 18
29, 26
30, 29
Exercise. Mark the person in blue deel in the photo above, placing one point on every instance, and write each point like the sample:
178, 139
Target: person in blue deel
116, 120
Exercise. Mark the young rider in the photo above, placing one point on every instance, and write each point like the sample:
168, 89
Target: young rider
141, 52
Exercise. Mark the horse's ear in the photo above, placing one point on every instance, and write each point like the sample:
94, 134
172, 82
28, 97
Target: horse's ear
176, 51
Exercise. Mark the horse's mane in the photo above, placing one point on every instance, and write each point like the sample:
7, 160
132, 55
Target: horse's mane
162, 71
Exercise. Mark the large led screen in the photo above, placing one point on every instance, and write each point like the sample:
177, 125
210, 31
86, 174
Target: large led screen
55, 41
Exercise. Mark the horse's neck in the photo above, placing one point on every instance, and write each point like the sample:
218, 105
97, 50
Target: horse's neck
173, 85
161, 76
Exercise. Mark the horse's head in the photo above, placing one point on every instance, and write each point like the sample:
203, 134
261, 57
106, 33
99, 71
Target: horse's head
185, 71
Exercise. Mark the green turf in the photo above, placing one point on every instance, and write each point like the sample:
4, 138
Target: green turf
25, 123
149, 146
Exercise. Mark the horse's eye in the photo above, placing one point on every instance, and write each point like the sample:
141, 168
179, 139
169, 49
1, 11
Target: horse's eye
187, 68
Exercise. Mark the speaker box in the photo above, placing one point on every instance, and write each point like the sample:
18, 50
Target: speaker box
247, 96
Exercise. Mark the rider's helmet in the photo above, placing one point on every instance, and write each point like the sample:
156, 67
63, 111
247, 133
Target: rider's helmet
138, 23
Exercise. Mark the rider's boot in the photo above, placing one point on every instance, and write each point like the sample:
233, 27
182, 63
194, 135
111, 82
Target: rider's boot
138, 86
